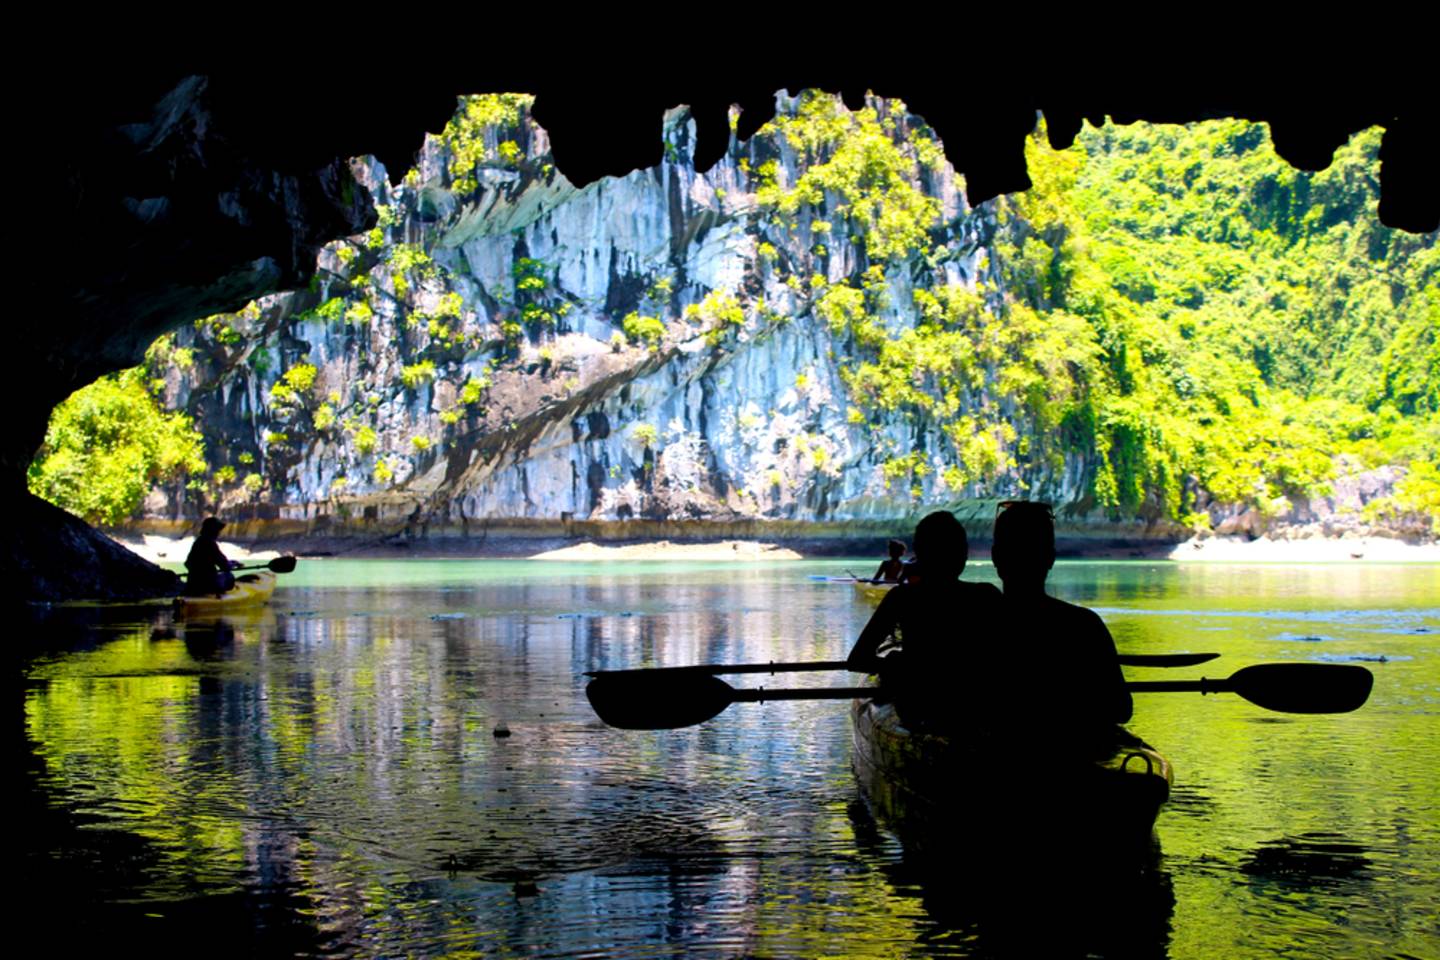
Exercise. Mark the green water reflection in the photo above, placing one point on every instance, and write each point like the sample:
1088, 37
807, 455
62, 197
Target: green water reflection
323, 776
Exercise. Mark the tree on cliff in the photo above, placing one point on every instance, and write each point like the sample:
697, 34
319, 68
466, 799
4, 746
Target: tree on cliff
107, 444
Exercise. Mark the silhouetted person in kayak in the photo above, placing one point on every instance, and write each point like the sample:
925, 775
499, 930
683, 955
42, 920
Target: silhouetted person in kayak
891, 569
939, 620
1071, 688
207, 570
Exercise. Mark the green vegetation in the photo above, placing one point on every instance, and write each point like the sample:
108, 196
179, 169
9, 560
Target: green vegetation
472, 136
854, 169
293, 384
366, 440
107, 444
414, 374
409, 261
530, 288
646, 330
1174, 311
1180, 308
1253, 321
719, 314
359, 314
473, 390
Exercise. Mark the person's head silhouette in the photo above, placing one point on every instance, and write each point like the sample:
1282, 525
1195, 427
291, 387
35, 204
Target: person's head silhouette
897, 549
1024, 548
941, 547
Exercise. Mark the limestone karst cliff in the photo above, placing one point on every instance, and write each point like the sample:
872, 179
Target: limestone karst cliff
817, 330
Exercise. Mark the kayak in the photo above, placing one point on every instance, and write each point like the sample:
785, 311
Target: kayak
871, 591
943, 795
250, 590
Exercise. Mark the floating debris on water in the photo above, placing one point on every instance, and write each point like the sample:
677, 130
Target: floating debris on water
1301, 637
447, 616
1360, 657
501, 730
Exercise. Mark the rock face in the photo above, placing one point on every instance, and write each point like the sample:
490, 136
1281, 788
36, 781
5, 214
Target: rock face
180, 219
195, 193
530, 355
665, 353
61, 557
185, 225
1338, 513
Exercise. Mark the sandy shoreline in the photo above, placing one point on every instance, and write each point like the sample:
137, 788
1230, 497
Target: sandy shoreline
742, 551
172, 550
1312, 550
168, 550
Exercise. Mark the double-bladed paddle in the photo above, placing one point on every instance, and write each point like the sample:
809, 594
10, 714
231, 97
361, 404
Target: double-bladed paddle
685, 696
278, 565
1126, 659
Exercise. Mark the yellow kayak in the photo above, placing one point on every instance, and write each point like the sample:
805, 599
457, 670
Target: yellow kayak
250, 590
873, 591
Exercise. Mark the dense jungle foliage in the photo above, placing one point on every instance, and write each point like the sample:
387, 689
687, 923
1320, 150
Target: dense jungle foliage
1178, 307
1254, 321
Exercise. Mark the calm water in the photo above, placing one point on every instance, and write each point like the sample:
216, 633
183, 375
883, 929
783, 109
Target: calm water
324, 778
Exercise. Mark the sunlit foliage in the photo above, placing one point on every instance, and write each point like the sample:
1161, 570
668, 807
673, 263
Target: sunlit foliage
107, 444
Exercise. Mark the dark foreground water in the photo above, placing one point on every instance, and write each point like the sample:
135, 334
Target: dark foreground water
323, 777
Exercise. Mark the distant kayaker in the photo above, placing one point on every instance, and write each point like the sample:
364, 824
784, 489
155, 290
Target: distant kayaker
1074, 689
931, 617
891, 569
207, 569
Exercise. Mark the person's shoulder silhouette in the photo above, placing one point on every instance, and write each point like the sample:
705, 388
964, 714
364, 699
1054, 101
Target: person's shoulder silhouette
941, 623
1074, 675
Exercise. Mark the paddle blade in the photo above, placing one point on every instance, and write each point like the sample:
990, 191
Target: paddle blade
282, 564
648, 702
1303, 687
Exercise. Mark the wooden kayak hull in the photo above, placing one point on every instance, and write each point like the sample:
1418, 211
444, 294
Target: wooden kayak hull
941, 796
251, 590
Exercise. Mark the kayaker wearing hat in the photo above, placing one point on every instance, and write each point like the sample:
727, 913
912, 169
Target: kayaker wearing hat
1074, 689
206, 567
931, 615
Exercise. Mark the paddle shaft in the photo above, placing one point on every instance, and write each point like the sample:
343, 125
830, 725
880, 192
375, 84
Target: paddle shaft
760, 694
1202, 686
279, 565
1249, 682
718, 668
667, 700
1128, 660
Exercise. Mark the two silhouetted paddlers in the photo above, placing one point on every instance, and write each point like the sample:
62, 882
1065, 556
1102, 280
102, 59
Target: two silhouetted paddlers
956, 638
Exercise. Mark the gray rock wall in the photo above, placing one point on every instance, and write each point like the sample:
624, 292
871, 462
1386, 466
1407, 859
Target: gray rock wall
566, 419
